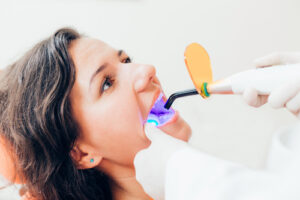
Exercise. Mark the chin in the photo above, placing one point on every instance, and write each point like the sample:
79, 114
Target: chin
179, 129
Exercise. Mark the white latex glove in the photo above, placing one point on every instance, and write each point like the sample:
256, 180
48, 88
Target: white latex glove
150, 163
287, 95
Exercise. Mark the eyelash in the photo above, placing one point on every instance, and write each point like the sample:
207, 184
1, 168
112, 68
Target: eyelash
127, 60
108, 79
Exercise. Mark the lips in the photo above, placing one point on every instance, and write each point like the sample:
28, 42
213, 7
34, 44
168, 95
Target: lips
158, 114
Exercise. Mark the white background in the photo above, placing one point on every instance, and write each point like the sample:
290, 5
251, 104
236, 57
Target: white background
234, 32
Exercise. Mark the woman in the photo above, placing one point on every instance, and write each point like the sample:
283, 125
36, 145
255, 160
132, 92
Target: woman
73, 110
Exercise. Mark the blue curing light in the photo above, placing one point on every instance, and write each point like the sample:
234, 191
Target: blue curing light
158, 114
152, 121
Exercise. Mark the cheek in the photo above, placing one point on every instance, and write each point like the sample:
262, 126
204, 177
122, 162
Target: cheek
115, 128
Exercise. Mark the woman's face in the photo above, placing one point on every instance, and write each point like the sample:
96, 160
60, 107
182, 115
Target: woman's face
111, 100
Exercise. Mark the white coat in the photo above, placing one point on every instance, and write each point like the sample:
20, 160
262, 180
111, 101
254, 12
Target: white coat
179, 172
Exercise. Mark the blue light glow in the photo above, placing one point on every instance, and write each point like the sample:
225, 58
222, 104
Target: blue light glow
151, 121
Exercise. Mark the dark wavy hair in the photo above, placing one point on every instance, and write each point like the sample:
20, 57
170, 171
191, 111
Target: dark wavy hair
36, 118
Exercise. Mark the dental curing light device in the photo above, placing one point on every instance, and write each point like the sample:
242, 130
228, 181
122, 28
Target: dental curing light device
264, 80
159, 115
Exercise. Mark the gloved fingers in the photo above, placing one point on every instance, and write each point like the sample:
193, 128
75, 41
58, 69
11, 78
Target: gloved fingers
280, 96
252, 98
277, 59
150, 131
153, 132
293, 105
290, 57
149, 128
269, 60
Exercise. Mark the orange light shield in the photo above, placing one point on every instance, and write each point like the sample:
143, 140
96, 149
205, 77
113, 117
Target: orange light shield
198, 65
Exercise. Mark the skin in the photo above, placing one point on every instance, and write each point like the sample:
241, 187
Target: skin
112, 113
7, 170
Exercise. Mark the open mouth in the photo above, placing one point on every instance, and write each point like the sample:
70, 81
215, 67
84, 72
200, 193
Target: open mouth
158, 114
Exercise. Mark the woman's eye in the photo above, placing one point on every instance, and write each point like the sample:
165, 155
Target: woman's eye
127, 60
108, 82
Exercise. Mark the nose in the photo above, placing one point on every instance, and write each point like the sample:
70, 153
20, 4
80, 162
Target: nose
144, 75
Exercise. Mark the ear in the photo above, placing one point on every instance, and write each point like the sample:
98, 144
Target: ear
85, 156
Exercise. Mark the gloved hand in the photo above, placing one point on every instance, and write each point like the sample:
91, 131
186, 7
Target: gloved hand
287, 95
150, 163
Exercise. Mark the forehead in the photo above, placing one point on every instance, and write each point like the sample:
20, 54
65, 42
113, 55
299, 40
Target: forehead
87, 50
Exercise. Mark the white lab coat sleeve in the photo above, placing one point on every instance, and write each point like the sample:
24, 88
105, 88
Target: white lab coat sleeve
194, 175
169, 169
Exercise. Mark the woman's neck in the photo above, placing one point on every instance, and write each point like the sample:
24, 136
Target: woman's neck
124, 184
128, 189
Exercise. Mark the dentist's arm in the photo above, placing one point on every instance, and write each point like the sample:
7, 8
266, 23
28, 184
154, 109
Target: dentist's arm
287, 95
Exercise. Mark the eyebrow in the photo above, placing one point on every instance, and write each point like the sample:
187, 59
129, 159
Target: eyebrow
101, 68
